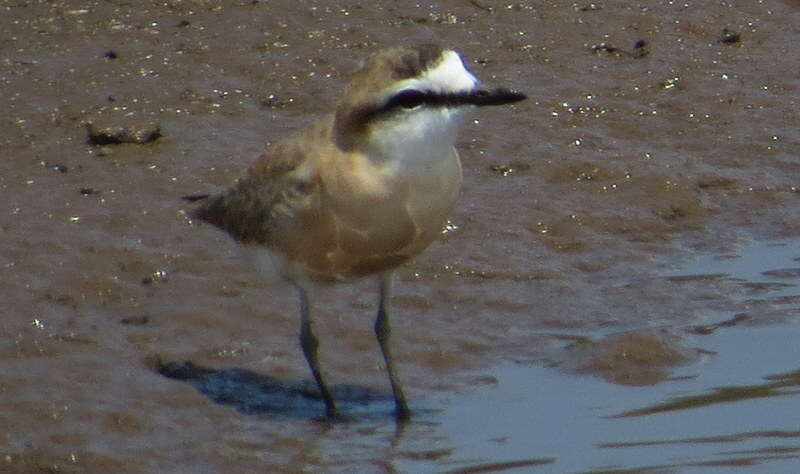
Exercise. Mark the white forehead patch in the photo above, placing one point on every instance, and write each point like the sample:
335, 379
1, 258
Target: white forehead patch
449, 75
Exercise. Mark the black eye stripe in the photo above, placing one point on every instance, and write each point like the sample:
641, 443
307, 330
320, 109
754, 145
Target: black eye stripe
408, 99
411, 98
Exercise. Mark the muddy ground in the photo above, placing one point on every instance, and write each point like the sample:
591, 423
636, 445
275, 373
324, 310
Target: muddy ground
653, 132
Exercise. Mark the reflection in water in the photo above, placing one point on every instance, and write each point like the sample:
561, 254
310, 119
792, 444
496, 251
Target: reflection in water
725, 395
502, 466
727, 399
746, 457
735, 438
588, 424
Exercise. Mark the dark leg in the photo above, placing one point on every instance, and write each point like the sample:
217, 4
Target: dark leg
310, 344
382, 332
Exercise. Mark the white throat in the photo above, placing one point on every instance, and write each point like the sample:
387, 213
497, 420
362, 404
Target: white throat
419, 138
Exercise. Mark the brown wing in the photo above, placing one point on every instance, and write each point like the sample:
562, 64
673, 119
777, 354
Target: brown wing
274, 190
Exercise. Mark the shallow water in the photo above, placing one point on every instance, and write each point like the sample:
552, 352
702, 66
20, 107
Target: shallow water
594, 254
735, 408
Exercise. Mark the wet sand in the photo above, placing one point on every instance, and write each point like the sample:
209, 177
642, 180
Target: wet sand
653, 135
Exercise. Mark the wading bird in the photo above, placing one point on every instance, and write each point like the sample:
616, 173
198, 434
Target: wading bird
363, 189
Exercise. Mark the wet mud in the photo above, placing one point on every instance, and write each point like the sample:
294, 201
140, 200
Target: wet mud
131, 337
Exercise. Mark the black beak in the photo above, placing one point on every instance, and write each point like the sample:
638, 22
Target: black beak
481, 97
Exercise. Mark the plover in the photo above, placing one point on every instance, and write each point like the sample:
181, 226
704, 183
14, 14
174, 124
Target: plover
362, 190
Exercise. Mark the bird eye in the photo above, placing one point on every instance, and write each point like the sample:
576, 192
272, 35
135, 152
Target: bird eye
409, 98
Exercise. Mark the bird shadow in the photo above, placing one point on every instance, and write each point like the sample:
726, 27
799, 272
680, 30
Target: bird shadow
255, 394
